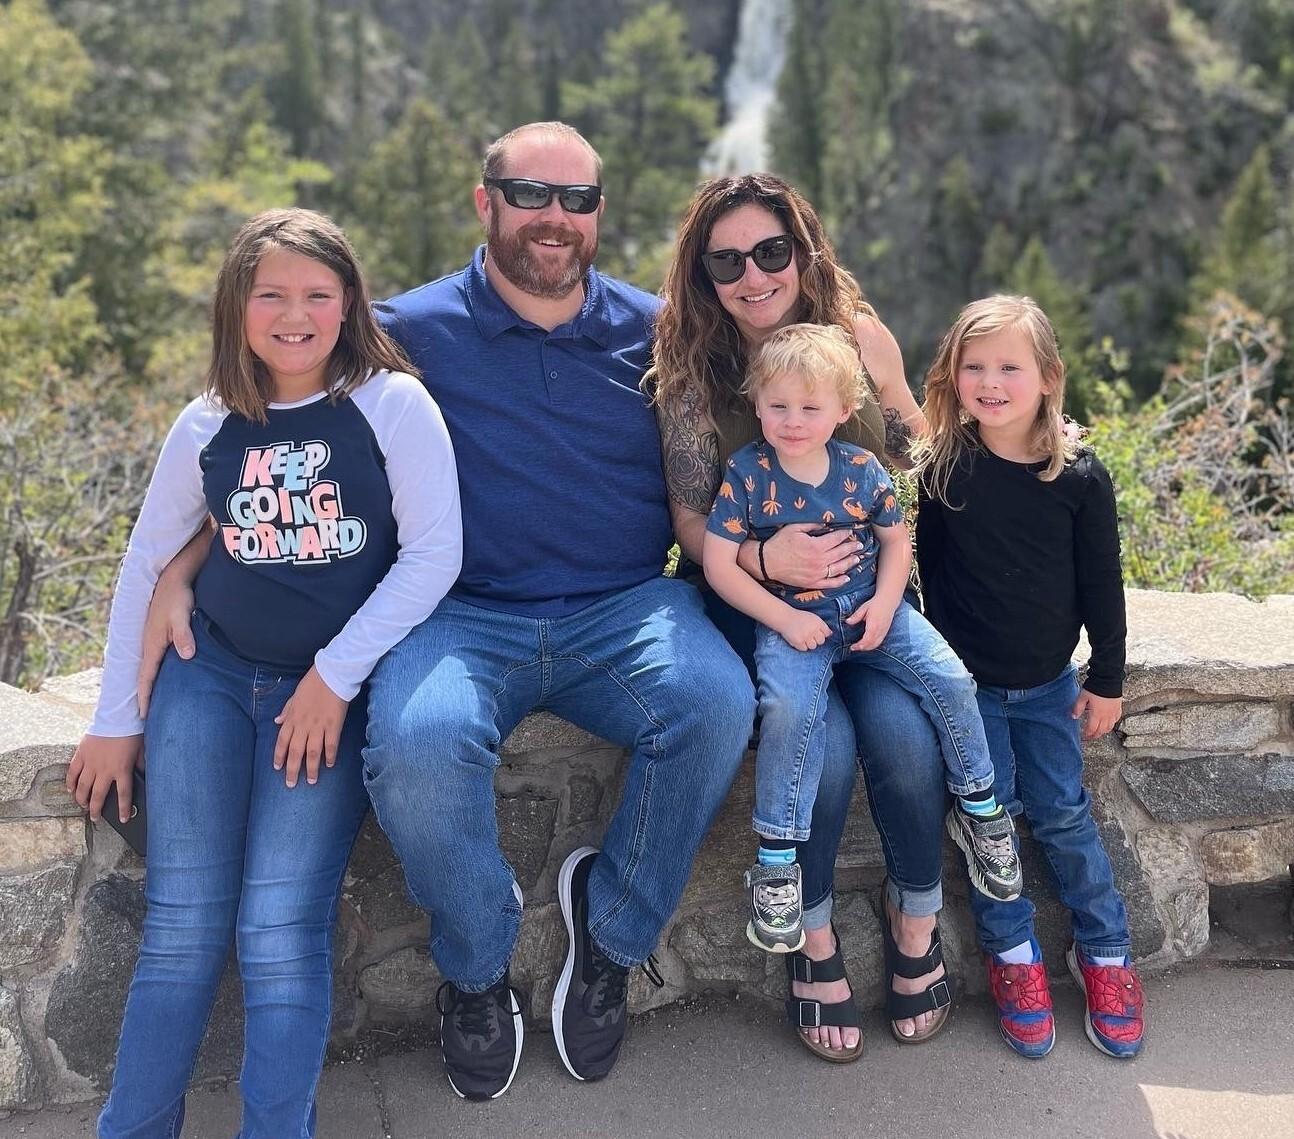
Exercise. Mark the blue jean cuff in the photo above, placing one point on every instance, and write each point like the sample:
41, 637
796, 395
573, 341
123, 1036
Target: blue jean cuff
785, 834
818, 915
961, 790
916, 902
1104, 950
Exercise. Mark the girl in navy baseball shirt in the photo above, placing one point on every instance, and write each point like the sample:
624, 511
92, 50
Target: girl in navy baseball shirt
329, 474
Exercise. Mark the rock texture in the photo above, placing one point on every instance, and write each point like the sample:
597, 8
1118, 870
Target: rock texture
1194, 791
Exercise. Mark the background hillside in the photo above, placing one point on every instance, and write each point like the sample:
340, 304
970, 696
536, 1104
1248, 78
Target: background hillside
1127, 163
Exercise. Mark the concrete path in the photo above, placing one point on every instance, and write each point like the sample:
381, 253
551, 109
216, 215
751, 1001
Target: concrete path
1219, 1065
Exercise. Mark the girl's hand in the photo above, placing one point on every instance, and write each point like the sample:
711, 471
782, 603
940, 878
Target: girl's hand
1103, 712
167, 624
795, 557
803, 630
309, 728
99, 762
877, 616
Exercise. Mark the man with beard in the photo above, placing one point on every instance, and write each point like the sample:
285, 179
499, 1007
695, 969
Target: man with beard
535, 360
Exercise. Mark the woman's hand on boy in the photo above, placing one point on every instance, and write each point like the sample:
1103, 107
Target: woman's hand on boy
795, 556
1103, 712
99, 762
803, 630
309, 728
876, 616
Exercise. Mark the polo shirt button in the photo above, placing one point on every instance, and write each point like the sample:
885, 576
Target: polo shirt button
552, 375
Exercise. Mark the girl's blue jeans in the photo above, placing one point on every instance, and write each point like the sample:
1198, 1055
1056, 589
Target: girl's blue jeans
793, 703
873, 722
1038, 758
233, 855
642, 668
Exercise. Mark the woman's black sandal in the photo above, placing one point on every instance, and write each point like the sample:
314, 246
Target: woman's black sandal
937, 997
805, 1013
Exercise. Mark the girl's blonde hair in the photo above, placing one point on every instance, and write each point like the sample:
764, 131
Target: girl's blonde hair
820, 353
697, 344
952, 429
241, 381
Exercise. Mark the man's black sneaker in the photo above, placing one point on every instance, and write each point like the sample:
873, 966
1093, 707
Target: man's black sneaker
480, 1036
589, 1002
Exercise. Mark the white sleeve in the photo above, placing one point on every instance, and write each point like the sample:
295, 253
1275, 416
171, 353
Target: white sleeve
424, 500
174, 507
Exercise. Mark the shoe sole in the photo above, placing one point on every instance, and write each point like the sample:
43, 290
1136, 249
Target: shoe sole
518, 1024
977, 876
567, 904
773, 947
1071, 959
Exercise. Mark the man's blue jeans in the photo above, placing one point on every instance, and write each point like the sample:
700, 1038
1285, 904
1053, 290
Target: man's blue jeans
899, 755
1038, 757
642, 668
233, 854
792, 705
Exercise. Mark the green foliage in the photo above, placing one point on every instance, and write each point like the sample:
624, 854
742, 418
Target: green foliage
1202, 469
413, 199
297, 92
649, 117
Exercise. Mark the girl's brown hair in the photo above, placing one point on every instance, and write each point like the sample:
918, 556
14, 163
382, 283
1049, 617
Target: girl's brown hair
241, 381
697, 344
952, 429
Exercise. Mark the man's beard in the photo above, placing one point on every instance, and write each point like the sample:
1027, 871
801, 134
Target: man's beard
514, 258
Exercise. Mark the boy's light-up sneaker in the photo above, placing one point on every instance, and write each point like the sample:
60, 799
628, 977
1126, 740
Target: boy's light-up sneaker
988, 842
777, 908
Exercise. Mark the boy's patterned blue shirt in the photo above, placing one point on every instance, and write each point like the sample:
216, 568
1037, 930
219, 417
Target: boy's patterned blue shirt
758, 498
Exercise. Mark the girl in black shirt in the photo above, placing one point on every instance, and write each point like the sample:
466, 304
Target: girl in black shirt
1018, 545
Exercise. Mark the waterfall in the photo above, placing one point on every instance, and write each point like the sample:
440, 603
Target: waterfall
750, 88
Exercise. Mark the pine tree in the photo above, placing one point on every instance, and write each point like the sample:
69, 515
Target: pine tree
298, 91
650, 118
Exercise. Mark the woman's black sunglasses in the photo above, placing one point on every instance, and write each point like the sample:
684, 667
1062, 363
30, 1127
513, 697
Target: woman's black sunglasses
527, 194
772, 255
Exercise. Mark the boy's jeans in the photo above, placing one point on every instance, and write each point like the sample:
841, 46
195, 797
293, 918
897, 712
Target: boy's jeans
793, 700
1039, 763
642, 668
233, 852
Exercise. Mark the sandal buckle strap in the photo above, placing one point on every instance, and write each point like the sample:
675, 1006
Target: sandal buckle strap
816, 1009
802, 968
940, 994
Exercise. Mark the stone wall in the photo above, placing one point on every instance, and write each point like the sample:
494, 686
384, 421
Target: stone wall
1195, 789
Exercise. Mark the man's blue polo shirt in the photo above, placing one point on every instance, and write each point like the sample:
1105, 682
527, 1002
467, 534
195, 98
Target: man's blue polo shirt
559, 463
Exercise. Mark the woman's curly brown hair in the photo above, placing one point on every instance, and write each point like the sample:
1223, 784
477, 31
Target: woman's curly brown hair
697, 344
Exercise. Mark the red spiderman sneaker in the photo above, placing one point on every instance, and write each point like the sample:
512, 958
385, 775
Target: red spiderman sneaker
1023, 1002
1115, 1019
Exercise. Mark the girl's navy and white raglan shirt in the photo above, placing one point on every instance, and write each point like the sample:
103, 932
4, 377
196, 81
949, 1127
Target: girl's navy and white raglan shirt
337, 531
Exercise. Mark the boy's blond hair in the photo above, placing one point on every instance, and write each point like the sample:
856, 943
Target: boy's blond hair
952, 429
821, 353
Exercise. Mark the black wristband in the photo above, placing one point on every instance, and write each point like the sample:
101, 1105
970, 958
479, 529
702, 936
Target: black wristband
763, 569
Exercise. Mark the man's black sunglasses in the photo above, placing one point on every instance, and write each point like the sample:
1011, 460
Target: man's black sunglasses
772, 255
528, 194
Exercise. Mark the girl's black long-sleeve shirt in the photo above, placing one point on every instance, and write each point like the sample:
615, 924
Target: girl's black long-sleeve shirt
1014, 567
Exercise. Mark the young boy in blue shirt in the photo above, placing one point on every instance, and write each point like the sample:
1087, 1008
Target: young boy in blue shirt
804, 382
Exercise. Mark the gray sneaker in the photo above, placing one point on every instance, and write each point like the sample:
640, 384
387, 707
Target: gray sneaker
777, 909
989, 845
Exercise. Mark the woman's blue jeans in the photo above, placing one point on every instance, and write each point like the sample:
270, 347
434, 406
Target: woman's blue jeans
233, 855
1038, 757
867, 712
642, 668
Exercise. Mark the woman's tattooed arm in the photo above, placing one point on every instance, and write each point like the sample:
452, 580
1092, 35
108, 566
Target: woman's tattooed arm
690, 448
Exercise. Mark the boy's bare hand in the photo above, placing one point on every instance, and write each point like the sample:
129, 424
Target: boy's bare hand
877, 616
309, 728
1103, 712
803, 630
99, 762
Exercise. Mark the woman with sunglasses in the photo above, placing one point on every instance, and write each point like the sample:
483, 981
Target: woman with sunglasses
752, 257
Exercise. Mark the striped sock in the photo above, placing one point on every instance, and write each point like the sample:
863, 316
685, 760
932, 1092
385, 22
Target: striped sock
776, 857
981, 807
